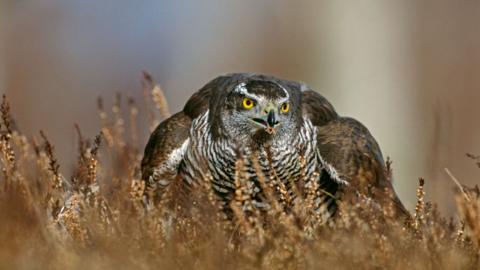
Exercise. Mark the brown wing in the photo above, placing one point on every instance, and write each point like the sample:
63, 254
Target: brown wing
317, 108
163, 153
350, 149
165, 148
349, 146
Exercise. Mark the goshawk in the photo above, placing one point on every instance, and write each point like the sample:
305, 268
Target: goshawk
294, 133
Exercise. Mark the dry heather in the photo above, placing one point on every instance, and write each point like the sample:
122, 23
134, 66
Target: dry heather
98, 218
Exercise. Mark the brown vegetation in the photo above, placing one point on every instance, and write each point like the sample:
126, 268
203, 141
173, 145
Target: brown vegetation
99, 218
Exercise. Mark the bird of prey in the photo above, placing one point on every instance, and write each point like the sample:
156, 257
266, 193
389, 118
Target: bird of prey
283, 123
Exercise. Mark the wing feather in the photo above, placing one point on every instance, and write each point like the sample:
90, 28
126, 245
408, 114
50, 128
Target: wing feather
349, 147
167, 144
166, 147
317, 108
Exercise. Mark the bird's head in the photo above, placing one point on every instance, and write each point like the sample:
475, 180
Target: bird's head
260, 110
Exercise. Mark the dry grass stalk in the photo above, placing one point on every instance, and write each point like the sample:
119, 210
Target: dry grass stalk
470, 214
454, 179
133, 121
119, 122
106, 129
54, 167
157, 95
475, 158
420, 206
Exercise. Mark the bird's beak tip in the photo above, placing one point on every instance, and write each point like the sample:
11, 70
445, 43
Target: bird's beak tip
271, 118
270, 130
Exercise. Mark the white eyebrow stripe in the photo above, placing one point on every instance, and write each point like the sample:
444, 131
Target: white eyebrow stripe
244, 91
283, 100
287, 95
285, 91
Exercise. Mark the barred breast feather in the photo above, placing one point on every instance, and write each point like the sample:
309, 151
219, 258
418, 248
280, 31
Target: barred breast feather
280, 161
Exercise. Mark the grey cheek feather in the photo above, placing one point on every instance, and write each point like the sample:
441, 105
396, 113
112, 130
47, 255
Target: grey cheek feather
236, 125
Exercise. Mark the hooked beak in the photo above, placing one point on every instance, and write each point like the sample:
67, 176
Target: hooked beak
268, 121
271, 119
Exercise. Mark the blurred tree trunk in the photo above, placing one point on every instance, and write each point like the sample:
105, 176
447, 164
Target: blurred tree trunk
447, 36
367, 56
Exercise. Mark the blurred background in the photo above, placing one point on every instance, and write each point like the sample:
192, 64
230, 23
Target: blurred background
409, 70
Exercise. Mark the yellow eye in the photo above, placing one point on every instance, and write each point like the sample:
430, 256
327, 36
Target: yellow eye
285, 107
248, 103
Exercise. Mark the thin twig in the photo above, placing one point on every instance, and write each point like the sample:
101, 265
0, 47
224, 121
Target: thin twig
157, 95
457, 183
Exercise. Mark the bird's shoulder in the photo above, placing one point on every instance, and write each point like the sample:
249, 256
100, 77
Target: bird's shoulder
349, 145
343, 142
316, 107
169, 136
355, 154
